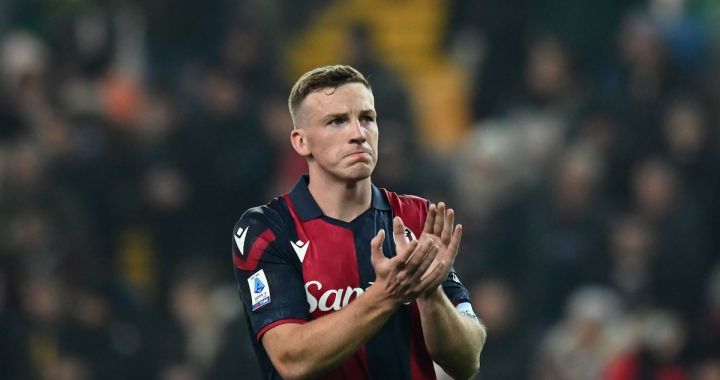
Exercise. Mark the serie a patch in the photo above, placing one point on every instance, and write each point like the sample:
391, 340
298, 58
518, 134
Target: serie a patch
259, 290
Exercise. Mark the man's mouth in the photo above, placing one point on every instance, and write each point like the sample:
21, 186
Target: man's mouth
359, 154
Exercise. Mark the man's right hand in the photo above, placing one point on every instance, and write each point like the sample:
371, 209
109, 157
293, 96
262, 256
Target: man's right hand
402, 278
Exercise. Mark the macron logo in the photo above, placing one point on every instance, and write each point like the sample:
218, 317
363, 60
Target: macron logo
240, 238
300, 248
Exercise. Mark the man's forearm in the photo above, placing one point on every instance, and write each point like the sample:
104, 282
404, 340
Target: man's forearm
454, 340
319, 346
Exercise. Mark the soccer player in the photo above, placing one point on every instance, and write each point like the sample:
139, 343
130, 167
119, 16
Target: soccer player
333, 280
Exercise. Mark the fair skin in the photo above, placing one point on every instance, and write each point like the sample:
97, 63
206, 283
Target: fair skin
336, 131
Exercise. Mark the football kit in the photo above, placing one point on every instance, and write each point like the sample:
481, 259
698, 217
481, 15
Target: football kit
294, 264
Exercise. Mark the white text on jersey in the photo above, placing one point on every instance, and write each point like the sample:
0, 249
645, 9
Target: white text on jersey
332, 299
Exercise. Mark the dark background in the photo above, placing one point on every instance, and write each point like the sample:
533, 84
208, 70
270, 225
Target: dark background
577, 141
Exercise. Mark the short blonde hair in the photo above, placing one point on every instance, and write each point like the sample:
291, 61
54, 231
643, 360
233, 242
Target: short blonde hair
322, 77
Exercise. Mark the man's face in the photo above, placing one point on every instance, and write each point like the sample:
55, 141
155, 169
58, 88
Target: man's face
339, 130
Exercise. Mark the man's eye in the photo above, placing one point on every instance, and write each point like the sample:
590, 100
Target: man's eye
368, 119
337, 121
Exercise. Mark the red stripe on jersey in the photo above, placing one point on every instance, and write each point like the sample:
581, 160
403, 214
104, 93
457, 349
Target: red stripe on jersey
275, 324
332, 278
412, 210
421, 366
256, 251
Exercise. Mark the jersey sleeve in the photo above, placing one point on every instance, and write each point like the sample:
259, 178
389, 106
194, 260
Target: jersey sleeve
269, 280
454, 289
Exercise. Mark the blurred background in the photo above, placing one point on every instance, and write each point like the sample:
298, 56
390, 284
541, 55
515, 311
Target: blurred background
577, 140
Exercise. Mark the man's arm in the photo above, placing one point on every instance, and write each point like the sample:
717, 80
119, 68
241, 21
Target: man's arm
319, 346
312, 349
454, 340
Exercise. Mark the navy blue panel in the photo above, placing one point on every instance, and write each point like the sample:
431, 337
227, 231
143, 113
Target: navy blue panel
388, 351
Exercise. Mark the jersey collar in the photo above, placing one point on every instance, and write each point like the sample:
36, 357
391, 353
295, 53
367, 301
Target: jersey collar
307, 208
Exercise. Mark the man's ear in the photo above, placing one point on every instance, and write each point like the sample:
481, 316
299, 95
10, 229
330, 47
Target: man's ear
299, 143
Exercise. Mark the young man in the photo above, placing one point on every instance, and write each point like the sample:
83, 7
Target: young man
326, 292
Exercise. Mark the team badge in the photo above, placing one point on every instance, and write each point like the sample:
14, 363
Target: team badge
409, 235
259, 290
454, 277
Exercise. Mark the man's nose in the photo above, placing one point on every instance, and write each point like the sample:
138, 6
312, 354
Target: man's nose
358, 132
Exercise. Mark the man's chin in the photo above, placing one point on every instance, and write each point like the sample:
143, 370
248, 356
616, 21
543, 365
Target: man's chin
351, 174
359, 176
359, 173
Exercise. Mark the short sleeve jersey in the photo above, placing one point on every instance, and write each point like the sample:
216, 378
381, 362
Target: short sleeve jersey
294, 264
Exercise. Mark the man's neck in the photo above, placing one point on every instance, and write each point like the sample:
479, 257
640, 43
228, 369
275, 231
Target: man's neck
341, 200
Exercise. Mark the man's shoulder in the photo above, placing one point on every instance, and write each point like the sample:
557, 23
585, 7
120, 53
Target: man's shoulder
256, 230
273, 215
400, 201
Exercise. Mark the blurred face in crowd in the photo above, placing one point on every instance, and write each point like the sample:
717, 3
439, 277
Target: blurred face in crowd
577, 176
189, 302
654, 187
631, 240
547, 70
684, 131
337, 132
43, 300
640, 45
495, 304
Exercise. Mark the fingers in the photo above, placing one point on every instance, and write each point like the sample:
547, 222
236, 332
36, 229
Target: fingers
430, 219
436, 273
439, 219
434, 277
419, 256
454, 245
426, 262
409, 273
447, 230
376, 250
399, 232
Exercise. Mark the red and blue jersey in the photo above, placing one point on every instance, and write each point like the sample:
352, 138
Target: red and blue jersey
295, 264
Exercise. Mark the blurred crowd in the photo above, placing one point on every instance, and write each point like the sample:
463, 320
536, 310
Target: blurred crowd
134, 134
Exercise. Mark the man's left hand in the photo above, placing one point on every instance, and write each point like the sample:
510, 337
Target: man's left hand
441, 229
